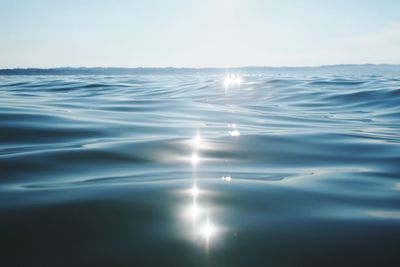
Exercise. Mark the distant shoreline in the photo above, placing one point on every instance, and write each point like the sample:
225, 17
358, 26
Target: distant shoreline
395, 68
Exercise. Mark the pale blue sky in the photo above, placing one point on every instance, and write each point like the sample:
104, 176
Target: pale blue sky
207, 33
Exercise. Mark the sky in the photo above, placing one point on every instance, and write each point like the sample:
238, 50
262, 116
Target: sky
198, 33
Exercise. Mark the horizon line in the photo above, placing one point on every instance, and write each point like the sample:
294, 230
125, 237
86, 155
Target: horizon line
200, 68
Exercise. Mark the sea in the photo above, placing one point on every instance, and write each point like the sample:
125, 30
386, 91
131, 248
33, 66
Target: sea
224, 167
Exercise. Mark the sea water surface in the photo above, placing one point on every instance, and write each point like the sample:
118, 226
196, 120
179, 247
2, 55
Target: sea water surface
200, 170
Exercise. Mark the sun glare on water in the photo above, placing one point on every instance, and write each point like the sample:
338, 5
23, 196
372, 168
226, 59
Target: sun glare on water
232, 80
194, 159
197, 141
208, 230
194, 191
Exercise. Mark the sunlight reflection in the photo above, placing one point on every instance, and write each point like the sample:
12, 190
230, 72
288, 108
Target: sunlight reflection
194, 211
387, 214
194, 191
197, 213
232, 80
197, 140
194, 159
235, 131
202, 228
208, 230
226, 178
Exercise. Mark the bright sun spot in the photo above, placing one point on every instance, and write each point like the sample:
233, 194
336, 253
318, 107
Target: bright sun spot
194, 211
194, 159
197, 140
234, 133
226, 178
232, 80
208, 230
194, 191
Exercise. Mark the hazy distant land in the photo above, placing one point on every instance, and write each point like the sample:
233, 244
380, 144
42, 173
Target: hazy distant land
338, 69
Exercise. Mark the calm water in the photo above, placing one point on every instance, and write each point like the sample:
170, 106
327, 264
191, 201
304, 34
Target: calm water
200, 170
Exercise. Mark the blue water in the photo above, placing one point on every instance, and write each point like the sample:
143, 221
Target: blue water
255, 169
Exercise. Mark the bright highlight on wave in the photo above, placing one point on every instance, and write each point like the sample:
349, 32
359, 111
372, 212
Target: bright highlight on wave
197, 141
232, 80
226, 178
194, 191
235, 131
194, 211
208, 230
194, 159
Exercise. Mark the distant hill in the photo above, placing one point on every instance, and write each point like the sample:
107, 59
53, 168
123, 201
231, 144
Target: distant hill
334, 69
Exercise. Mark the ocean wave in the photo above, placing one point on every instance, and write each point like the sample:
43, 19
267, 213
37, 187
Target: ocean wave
273, 157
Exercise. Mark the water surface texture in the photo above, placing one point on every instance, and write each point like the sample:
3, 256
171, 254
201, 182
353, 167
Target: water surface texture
200, 170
